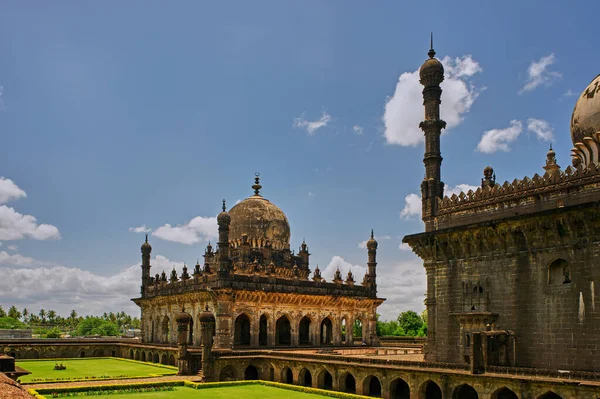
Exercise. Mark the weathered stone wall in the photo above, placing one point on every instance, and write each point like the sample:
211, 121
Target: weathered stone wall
14, 334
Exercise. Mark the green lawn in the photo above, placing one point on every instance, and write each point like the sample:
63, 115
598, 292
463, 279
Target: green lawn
89, 367
244, 391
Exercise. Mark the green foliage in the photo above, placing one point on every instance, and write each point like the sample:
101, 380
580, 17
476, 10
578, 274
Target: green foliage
14, 313
2, 312
92, 325
53, 333
10, 323
408, 324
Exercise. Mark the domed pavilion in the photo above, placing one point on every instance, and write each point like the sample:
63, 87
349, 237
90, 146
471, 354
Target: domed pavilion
261, 293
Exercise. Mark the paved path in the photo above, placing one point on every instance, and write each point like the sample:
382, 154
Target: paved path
194, 378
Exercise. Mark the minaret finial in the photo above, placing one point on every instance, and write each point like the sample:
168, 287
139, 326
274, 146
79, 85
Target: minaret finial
431, 52
550, 150
224, 207
372, 236
256, 187
146, 237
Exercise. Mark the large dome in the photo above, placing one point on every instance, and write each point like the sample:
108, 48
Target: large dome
586, 115
260, 220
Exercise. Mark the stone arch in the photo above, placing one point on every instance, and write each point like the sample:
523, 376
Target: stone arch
131, 353
371, 386
271, 373
399, 389
358, 330
227, 374
263, 328
559, 272
305, 377
326, 332
465, 391
155, 358
550, 395
504, 393
164, 359
137, 355
283, 331
325, 380
251, 373
304, 333
430, 390
81, 353
344, 330
31, 354
287, 376
172, 360
241, 335
143, 357
191, 332
348, 383
165, 329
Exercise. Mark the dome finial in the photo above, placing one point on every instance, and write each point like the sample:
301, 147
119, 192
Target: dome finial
224, 207
431, 52
372, 236
146, 237
256, 187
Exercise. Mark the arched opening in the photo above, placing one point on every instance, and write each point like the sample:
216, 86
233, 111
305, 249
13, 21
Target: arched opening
271, 373
304, 331
372, 386
348, 383
136, 356
559, 272
343, 331
172, 360
326, 331
251, 373
465, 391
357, 331
283, 331
325, 380
262, 331
155, 358
143, 356
305, 378
550, 395
165, 331
287, 376
242, 330
399, 389
164, 359
504, 393
130, 353
227, 374
430, 390
191, 333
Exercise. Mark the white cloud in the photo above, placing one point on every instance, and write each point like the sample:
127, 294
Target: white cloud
538, 73
404, 110
16, 226
412, 202
64, 288
15, 259
140, 229
541, 128
412, 206
9, 191
499, 139
338, 262
403, 285
404, 247
12, 248
358, 129
197, 229
312, 126
363, 244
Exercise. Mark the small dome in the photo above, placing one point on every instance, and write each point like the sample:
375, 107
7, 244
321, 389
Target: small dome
183, 317
586, 116
372, 243
146, 245
431, 72
223, 217
206, 316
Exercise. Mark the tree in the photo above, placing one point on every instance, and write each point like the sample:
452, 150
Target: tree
96, 326
51, 316
410, 322
25, 314
2, 312
42, 315
14, 313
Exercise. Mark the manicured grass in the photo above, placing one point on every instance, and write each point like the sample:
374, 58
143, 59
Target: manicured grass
42, 370
244, 391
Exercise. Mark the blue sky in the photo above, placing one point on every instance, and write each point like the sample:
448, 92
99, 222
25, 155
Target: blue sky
116, 115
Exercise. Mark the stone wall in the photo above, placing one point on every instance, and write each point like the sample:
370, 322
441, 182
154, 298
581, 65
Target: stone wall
14, 334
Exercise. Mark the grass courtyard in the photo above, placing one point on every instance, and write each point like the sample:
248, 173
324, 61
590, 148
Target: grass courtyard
89, 368
243, 391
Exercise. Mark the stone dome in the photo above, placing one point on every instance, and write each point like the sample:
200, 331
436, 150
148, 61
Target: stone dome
431, 72
260, 220
586, 115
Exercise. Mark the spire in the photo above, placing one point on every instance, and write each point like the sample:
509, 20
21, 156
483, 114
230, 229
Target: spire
372, 236
224, 206
147, 234
256, 187
431, 52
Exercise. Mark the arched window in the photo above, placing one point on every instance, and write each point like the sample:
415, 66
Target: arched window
325, 380
326, 332
465, 392
559, 272
262, 331
348, 383
504, 393
242, 330
287, 376
357, 330
550, 395
343, 331
165, 330
283, 331
305, 378
399, 389
304, 331
372, 386
430, 390
251, 373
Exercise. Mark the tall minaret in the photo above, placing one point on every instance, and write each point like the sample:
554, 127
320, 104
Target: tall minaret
431, 76
146, 254
224, 220
370, 279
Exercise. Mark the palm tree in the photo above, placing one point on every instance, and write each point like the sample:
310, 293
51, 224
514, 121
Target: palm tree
43, 315
73, 317
25, 314
51, 316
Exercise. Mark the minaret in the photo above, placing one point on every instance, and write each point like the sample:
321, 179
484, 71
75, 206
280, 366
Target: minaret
146, 254
371, 280
431, 76
224, 220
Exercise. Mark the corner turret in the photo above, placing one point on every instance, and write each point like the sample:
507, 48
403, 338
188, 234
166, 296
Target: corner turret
146, 255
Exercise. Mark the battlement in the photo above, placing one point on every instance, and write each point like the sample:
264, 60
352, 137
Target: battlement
552, 190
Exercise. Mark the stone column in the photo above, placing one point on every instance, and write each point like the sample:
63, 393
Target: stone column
207, 326
430, 302
254, 331
183, 321
223, 337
